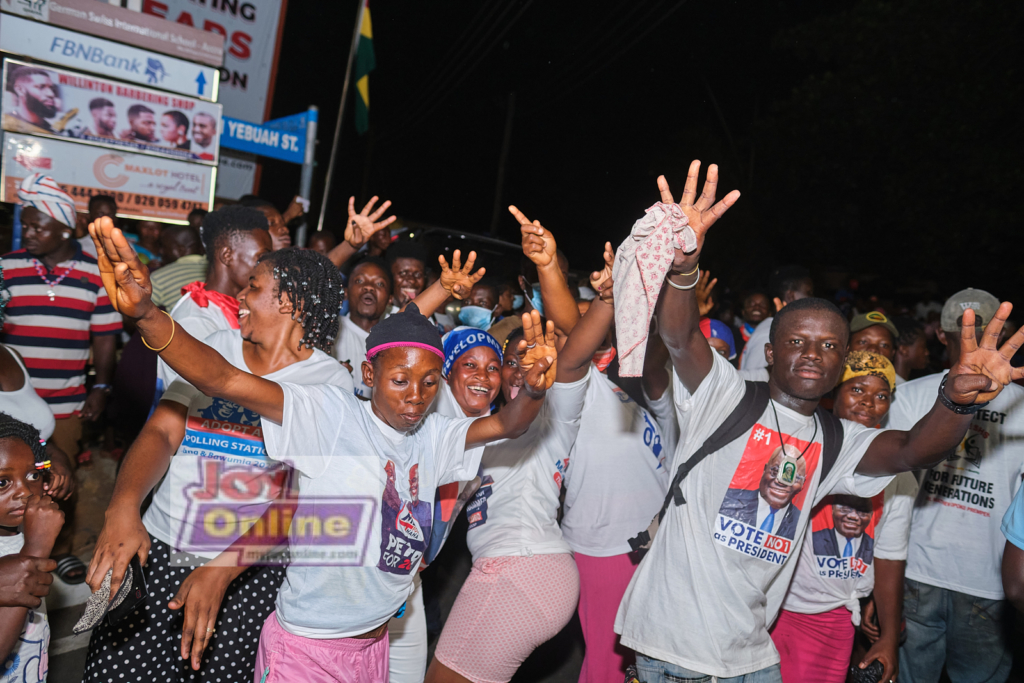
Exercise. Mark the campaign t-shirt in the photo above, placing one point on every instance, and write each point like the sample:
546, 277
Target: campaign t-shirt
955, 542
752, 357
698, 600
28, 660
220, 481
351, 347
836, 565
197, 321
515, 511
618, 471
365, 509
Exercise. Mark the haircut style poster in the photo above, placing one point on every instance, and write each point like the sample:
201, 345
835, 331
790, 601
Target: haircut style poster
843, 535
761, 509
58, 103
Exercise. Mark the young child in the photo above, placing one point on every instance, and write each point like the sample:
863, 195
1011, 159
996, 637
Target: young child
29, 523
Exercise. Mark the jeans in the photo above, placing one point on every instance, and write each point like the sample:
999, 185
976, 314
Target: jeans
967, 634
656, 671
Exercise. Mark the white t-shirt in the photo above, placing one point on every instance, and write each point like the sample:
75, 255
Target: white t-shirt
197, 321
752, 357
829, 574
351, 346
618, 471
27, 661
955, 542
26, 405
515, 512
220, 481
360, 528
698, 600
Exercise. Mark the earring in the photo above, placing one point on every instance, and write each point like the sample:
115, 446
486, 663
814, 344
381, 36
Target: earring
67, 235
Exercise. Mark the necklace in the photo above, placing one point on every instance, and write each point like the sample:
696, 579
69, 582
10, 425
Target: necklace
50, 285
788, 465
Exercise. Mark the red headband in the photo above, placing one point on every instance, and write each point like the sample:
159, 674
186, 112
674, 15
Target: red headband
391, 345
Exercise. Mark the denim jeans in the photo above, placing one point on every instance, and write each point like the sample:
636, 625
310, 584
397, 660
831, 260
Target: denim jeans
656, 671
967, 634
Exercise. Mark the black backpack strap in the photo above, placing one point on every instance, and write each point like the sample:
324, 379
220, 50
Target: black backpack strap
831, 440
740, 420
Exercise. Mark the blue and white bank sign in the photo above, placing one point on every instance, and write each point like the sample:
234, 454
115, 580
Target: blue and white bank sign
87, 53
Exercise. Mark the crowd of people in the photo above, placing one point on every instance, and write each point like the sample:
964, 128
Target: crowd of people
748, 487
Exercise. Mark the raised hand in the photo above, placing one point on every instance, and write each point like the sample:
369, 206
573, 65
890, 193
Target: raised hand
537, 354
983, 370
124, 277
538, 243
458, 280
362, 225
703, 292
601, 280
701, 212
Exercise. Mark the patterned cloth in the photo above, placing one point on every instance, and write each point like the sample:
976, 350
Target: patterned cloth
168, 281
861, 363
641, 264
42, 192
53, 336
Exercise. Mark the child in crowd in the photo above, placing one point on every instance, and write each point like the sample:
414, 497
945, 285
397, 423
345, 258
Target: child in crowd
29, 524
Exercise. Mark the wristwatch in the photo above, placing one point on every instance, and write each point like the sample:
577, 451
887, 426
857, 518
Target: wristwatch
106, 388
958, 408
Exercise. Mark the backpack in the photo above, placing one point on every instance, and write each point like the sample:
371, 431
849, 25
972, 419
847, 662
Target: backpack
739, 422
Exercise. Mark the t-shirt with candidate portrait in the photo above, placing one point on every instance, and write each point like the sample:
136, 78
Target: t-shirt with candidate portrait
350, 347
836, 565
515, 511
698, 600
618, 471
220, 480
364, 514
955, 542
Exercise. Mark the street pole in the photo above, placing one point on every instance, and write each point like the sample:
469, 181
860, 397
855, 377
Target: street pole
306, 183
500, 185
341, 113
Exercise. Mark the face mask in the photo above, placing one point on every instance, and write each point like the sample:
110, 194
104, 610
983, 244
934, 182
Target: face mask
475, 316
517, 301
537, 302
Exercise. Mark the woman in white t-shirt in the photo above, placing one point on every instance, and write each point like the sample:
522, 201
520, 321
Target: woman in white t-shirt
367, 471
218, 479
853, 546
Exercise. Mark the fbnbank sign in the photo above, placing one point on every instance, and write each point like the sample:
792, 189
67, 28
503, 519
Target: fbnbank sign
67, 48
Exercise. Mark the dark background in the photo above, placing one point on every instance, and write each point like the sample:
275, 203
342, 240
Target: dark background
874, 139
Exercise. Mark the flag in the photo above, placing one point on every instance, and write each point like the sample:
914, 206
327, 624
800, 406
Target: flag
365, 63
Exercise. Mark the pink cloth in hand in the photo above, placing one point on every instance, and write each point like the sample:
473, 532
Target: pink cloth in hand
641, 264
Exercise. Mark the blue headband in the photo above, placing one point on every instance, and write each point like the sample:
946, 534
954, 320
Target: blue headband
462, 339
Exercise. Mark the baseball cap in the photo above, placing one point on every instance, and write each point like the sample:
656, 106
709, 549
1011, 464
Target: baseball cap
981, 302
871, 318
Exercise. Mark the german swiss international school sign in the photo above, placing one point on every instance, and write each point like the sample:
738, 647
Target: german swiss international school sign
52, 102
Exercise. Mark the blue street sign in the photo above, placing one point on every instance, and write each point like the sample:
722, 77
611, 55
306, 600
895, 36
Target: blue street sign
267, 139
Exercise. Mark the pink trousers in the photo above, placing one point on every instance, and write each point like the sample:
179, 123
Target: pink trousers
814, 647
603, 581
284, 657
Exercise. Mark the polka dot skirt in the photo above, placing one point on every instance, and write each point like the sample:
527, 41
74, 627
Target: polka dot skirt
146, 646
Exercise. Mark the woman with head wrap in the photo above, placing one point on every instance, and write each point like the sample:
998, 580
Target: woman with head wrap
383, 459
853, 546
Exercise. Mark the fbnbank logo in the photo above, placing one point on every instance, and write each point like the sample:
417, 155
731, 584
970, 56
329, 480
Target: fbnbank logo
87, 52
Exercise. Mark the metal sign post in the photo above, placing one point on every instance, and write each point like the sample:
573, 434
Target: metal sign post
306, 183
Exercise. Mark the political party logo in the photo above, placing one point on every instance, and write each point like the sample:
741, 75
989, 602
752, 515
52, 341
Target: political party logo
155, 71
960, 482
405, 524
476, 510
226, 430
652, 439
760, 513
843, 535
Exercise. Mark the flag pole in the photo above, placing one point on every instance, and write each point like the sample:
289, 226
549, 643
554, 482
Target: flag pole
341, 114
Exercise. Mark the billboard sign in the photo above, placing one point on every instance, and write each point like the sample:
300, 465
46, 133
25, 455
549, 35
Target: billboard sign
143, 186
57, 45
125, 26
252, 34
55, 102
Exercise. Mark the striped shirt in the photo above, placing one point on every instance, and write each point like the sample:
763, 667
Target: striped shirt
168, 281
53, 336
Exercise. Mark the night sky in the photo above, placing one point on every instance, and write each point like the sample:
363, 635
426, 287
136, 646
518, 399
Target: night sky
867, 139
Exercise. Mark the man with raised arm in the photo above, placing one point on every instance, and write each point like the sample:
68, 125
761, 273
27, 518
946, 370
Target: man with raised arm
701, 603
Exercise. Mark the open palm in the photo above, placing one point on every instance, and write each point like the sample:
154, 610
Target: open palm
701, 212
124, 277
361, 226
458, 280
984, 369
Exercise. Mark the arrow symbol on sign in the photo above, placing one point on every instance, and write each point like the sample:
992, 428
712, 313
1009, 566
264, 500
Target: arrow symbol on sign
201, 82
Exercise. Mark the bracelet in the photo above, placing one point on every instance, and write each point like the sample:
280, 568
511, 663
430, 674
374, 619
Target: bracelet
106, 388
685, 287
958, 408
168, 341
688, 274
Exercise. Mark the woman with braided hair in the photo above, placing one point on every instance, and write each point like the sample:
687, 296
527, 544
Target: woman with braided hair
218, 484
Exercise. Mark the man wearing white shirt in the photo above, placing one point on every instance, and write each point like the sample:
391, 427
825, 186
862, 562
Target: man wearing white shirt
788, 284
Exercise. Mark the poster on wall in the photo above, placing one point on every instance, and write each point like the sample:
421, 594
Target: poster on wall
252, 32
143, 186
54, 102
